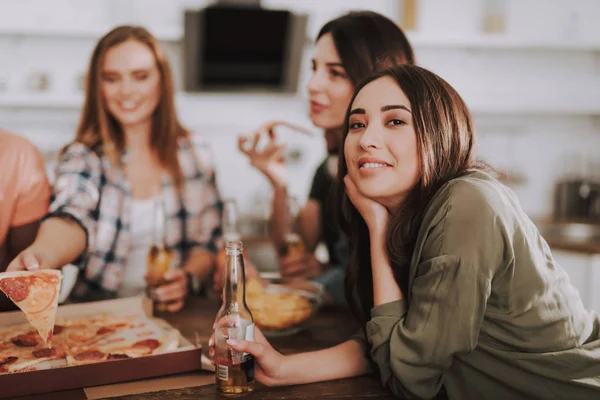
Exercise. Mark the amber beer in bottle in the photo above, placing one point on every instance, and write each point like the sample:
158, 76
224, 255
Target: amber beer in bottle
293, 243
234, 370
294, 246
159, 257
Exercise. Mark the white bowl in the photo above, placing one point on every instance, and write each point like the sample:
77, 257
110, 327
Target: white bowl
69, 277
275, 317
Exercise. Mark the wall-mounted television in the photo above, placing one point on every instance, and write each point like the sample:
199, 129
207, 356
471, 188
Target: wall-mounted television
240, 48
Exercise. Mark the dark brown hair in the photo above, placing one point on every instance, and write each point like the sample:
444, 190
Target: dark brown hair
367, 41
445, 145
98, 128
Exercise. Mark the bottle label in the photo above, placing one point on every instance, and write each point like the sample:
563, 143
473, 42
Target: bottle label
222, 372
249, 337
250, 333
239, 333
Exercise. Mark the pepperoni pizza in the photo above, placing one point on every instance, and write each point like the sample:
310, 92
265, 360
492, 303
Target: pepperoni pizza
36, 294
84, 340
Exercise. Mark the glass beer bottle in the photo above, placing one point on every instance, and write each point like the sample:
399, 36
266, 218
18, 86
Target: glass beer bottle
159, 258
293, 244
234, 370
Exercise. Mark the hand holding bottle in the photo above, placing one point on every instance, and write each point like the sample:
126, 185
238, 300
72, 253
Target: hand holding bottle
295, 261
173, 291
268, 361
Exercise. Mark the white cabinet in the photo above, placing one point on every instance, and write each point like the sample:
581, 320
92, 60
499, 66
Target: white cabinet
584, 273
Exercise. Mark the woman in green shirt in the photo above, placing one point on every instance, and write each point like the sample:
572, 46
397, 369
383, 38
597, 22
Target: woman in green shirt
458, 292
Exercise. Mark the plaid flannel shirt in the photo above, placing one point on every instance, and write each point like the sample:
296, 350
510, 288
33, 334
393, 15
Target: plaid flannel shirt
97, 195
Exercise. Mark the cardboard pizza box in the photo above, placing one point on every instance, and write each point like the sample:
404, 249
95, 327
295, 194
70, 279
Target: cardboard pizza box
108, 377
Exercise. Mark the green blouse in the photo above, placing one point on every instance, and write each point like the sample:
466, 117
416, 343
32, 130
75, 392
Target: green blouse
489, 314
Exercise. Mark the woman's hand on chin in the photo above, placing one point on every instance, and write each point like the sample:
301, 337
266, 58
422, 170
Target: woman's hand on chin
376, 216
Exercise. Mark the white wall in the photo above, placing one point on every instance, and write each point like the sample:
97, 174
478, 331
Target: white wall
534, 90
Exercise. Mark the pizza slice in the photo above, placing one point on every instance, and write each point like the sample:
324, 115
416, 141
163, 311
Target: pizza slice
36, 294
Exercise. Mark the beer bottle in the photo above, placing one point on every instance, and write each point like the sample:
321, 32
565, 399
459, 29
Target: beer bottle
293, 244
159, 258
234, 370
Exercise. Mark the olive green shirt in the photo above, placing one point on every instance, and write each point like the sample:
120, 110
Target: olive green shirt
489, 314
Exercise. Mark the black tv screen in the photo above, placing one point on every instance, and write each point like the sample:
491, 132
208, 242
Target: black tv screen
243, 46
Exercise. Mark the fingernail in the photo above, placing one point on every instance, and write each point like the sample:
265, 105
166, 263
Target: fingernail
210, 342
34, 265
233, 342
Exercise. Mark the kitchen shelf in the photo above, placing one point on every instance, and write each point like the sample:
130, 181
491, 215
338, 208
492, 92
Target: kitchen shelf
75, 100
498, 42
42, 100
538, 108
92, 32
417, 39
207, 101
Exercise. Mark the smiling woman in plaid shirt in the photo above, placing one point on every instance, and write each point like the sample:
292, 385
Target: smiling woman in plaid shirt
129, 151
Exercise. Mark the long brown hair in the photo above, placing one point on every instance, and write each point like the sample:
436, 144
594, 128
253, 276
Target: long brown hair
366, 41
445, 144
97, 128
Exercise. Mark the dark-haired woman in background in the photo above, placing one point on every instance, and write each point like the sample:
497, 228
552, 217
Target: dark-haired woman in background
348, 49
452, 281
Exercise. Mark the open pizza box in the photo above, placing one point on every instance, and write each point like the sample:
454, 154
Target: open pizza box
115, 377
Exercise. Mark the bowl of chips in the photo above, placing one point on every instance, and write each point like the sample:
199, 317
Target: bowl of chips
283, 308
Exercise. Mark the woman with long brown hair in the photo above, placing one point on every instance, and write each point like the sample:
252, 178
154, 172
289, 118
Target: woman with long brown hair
459, 294
132, 173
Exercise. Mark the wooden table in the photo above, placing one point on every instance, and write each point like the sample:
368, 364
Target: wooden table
328, 328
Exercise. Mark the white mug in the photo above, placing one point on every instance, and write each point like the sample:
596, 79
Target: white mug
69, 277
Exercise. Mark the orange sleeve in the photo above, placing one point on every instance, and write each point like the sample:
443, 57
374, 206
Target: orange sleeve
33, 190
